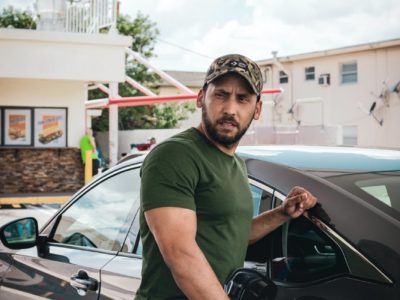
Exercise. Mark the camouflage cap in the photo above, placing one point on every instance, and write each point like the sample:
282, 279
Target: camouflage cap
238, 64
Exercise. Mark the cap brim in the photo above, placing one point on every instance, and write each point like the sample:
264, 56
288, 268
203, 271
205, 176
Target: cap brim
234, 70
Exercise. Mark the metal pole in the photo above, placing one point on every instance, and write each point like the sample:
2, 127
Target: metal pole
162, 74
88, 166
138, 86
113, 126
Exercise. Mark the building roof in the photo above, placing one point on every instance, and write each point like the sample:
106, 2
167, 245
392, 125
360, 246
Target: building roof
335, 51
190, 79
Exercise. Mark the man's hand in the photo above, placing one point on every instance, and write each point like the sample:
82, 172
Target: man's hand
297, 202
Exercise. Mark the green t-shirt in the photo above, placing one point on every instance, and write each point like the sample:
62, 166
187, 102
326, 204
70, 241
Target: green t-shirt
85, 145
190, 172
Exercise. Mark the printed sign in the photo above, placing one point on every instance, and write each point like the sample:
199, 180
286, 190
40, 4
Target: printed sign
17, 127
50, 127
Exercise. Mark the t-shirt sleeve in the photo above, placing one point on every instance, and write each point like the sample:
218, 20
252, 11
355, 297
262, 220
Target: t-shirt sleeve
169, 177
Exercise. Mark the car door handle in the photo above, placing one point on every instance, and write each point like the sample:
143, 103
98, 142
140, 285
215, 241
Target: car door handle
324, 253
83, 283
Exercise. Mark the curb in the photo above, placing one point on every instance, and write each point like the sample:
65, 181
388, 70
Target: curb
34, 200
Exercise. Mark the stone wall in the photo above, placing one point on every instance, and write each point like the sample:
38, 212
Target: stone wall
28, 170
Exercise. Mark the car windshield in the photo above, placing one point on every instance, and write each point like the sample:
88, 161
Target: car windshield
378, 188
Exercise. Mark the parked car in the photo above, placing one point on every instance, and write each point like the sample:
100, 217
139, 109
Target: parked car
347, 247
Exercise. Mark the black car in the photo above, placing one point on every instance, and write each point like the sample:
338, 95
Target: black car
347, 247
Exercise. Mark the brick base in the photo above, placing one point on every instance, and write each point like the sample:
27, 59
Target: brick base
27, 170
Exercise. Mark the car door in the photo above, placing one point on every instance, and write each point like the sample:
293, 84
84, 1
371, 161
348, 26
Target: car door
306, 259
82, 238
120, 277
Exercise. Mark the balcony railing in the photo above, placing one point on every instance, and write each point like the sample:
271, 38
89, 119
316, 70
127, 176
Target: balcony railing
86, 16
91, 16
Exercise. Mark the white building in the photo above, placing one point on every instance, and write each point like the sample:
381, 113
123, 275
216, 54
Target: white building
52, 70
328, 96
44, 77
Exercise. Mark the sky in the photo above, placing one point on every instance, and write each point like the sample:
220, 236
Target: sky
194, 32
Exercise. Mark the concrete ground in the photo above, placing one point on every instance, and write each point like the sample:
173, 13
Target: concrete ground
40, 212
39, 206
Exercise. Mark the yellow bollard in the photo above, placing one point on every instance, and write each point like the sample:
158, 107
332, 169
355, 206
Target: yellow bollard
88, 166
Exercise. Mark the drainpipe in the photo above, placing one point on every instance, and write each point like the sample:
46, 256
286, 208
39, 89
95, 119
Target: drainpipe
288, 72
269, 80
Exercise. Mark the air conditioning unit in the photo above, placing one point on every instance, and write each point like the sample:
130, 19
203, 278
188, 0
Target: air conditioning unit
324, 79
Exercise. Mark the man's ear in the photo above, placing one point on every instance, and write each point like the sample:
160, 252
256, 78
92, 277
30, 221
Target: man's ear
200, 98
257, 112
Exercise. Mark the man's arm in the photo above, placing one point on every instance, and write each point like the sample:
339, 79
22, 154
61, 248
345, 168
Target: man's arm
174, 230
295, 204
93, 143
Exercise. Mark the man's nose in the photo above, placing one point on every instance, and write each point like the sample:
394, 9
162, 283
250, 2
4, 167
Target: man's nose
231, 105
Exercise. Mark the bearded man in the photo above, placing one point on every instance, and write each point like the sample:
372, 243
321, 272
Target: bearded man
196, 207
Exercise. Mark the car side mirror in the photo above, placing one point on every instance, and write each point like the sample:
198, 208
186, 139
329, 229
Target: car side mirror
20, 234
249, 284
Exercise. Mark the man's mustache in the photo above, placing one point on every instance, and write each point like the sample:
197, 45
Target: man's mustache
228, 119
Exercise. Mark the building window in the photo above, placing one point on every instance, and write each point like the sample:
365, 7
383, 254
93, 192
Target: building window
350, 136
283, 77
348, 72
310, 73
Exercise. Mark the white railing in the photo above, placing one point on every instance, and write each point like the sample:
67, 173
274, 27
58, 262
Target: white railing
89, 16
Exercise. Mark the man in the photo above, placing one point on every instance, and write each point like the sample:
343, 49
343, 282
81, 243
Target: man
152, 142
196, 206
88, 143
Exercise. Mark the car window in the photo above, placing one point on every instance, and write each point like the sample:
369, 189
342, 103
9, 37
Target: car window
101, 217
133, 243
302, 252
384, 188
257, 253
262, 197
381, 189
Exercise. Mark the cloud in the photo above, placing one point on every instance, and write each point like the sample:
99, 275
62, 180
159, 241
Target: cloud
303, 26
256, 27
18, 4
170, 5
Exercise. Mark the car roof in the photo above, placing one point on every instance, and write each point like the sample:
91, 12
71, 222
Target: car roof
313, 158
321, 158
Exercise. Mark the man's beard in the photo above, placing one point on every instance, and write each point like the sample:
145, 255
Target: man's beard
218, 138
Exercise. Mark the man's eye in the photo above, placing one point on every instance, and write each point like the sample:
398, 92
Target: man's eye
243, 99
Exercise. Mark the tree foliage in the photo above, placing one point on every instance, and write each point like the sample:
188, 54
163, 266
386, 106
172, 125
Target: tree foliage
144, 34
13, 18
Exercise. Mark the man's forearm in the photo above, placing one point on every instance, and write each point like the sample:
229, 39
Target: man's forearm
296, 203
267, 222
194, 275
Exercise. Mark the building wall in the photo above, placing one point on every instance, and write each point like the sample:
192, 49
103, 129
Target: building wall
344, 105
62, 56
46, 93
137, 136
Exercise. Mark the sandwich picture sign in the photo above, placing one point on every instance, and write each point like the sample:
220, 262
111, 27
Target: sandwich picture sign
50, 127
44, 127
17, 124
